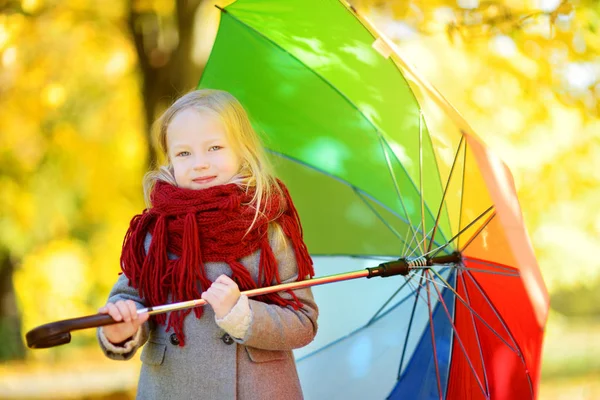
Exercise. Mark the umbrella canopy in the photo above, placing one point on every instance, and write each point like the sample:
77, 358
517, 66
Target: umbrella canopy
380, 167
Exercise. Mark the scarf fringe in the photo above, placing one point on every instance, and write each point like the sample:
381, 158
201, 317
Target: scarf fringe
241, 275
267, 266
151, 271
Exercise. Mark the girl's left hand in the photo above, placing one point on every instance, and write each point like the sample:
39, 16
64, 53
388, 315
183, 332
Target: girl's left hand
222, 295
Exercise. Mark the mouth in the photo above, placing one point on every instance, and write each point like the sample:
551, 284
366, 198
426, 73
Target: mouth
203, 180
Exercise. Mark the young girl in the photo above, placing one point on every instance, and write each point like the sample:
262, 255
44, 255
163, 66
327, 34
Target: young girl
218, 223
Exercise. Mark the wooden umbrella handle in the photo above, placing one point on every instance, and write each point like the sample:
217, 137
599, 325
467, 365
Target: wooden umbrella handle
57, 333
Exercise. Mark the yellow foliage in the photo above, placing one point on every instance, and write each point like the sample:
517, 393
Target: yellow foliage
54, 281
31, 6
73, 151
54, 95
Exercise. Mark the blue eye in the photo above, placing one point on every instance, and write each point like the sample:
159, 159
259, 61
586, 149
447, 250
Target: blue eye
215, 148
182, 154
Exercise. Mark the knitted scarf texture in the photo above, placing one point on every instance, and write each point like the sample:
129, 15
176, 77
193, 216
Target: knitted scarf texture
200, 226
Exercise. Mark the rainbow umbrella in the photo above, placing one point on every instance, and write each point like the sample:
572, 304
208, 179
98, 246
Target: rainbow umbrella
381, 168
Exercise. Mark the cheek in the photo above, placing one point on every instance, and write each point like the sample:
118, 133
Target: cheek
228, 162
236, 160
178, 169
235, 163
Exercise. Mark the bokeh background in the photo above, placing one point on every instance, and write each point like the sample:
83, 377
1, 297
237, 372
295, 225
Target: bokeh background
81, 82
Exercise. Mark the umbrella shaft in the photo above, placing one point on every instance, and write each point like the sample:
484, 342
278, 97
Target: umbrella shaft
399, 267
260, 291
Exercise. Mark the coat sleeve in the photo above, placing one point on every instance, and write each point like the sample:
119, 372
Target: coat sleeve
122, 291
274, 327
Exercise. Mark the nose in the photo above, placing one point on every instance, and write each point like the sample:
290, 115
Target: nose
201, 163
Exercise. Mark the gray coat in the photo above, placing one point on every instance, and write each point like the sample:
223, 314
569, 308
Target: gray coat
212, 364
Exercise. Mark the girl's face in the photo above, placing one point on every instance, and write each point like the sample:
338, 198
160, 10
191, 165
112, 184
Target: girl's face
199, 150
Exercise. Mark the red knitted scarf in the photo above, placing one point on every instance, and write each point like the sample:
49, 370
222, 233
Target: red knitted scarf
209, 225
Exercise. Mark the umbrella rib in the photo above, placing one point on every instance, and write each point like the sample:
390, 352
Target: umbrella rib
435, 250
421, 186
485, 378
412, 239
374, 317
518, 352
428, 302
462, 190
378, 257
419, 286
459, 297
485, 296
360, 256
328, 83
450, 175
464, 229
422, 255
479, 230
492, 264
395, 180
485, 271
437, 367
437, 283
342, 181
391, 228
396, 186
405, 241
410, 322
450, 319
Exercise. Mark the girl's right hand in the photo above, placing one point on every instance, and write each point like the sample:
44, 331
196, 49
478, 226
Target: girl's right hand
122, 311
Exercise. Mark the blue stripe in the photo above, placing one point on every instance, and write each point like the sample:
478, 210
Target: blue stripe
419, 380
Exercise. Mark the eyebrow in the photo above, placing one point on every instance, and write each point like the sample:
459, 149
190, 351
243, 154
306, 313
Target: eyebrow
208, 141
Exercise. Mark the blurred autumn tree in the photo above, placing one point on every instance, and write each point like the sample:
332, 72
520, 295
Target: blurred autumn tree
80, 85
163, 34
81, 82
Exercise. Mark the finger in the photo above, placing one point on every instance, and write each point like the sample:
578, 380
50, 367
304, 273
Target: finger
140, 319
113, 311
124, 310
225, 280
209, 297
229, 290
214, 293
132, 309
221, 287
143, 318
204, 296
221, 295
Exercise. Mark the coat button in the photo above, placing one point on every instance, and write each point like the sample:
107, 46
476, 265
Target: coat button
174, 340
227, 339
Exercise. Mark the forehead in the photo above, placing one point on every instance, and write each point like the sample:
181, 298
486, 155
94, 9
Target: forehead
192, 125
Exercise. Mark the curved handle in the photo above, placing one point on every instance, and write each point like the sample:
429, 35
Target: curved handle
57, 333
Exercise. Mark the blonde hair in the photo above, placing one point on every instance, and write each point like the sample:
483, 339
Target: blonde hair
255, 172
